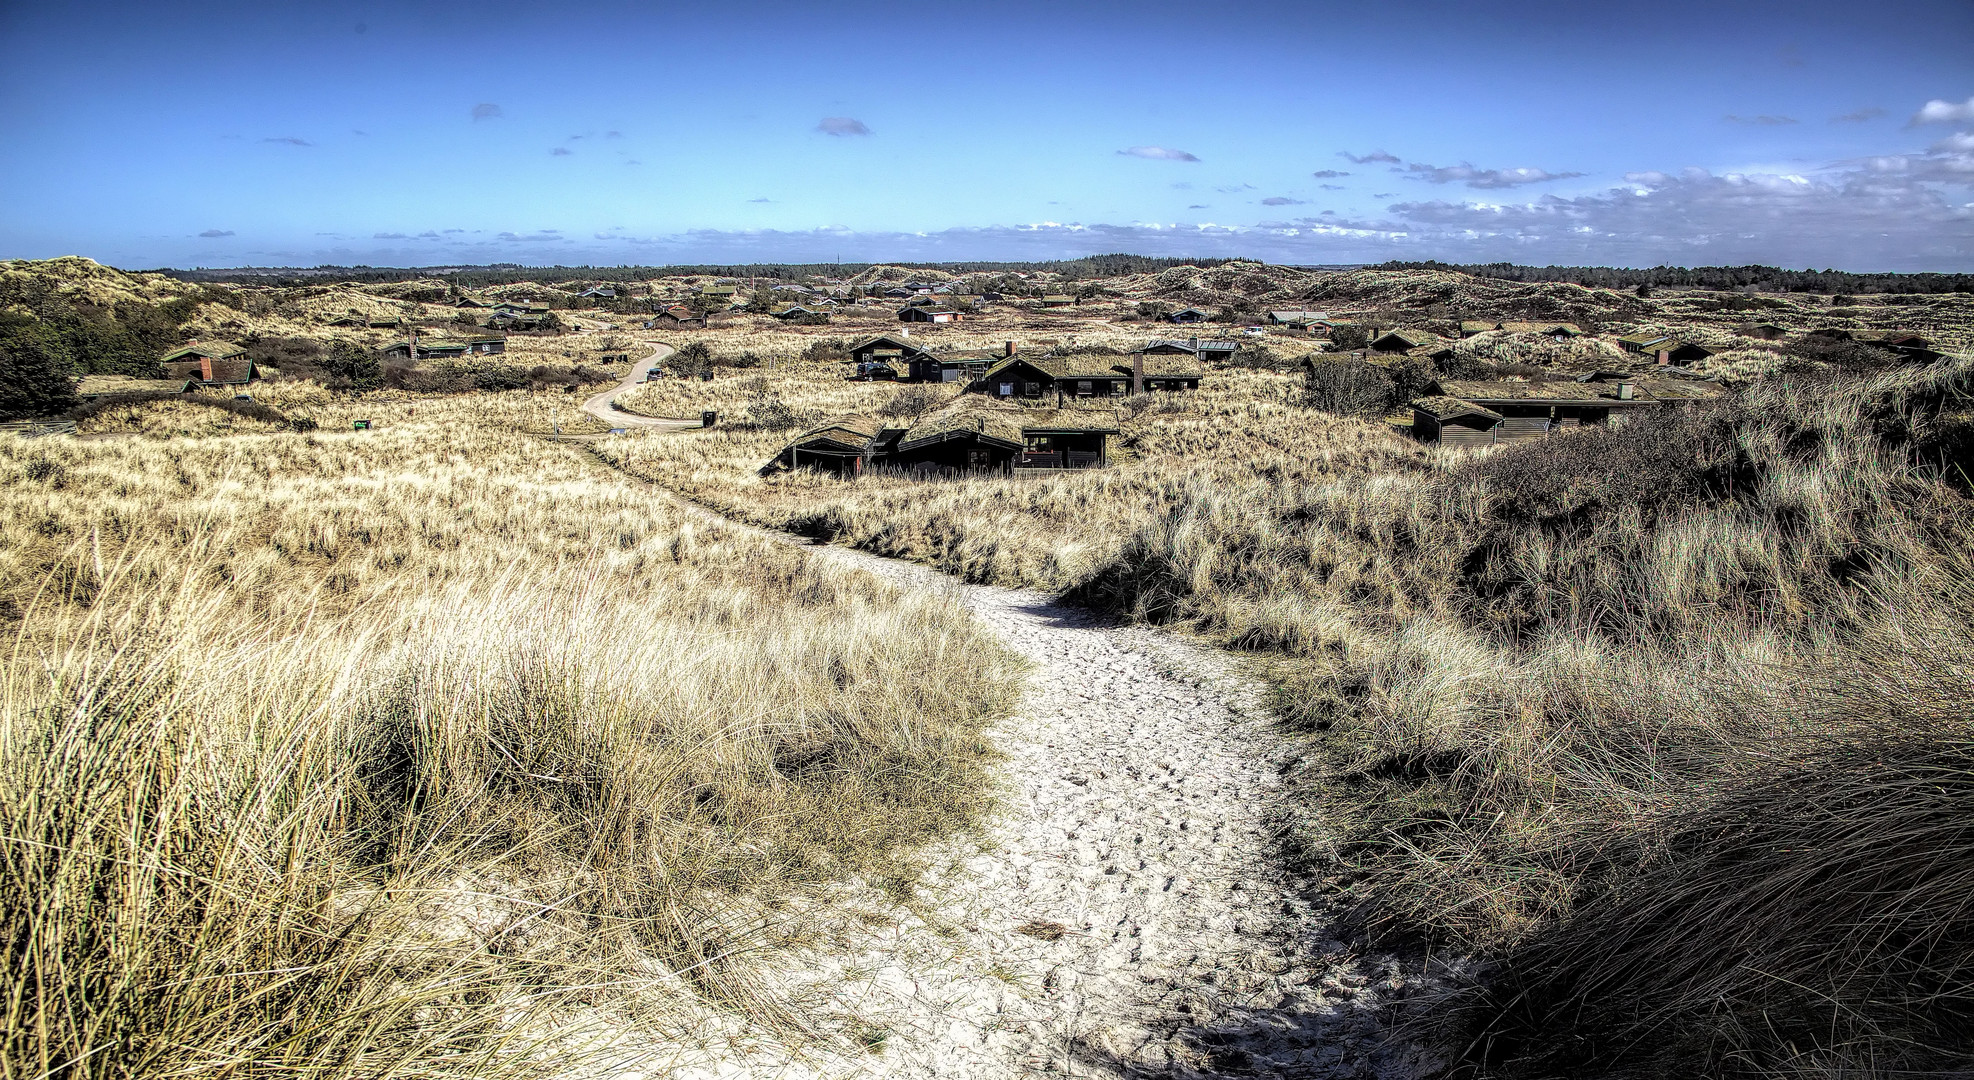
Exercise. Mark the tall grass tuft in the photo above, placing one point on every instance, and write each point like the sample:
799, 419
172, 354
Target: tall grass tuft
440, 752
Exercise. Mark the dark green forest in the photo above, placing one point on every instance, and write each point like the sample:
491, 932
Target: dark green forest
1764, 278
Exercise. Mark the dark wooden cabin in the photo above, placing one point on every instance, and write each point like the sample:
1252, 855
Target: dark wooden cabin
928, 315
1034, 378
676, 317
1449, 421
1163, 371
212, 364
1187, 316
969, 436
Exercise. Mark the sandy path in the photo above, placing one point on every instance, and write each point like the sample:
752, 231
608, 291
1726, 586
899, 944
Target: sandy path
599, 405
1126, 915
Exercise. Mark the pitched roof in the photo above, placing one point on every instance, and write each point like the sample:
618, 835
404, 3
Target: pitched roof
1645, 341
1167, 366
1298, 316
1644, 391
97, 385
195, 350
906, 349
1477, 326
1058, 298
1442, 407
851, 432
1570, 329
1001, 424
1072, 366
1196, 345
1410, 339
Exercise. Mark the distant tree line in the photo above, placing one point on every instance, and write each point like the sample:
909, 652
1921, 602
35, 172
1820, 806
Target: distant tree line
477, 277
1764, 278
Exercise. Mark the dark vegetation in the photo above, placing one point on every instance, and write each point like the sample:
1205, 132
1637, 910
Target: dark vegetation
1766, 278
50, 338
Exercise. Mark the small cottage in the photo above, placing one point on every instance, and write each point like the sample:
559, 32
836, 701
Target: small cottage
1557, 331
413, 349
598, 292
1665, 348
884, 357
915, 314
676, 317
213, 364
971, 435
800, 312
1056, 300
1187, 316
1162, 371
1450, 421
1035, 378
963, 367
1297, 320
1201, 350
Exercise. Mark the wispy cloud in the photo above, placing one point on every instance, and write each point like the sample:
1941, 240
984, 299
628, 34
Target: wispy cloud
842, 125
538, 236
1764, 120
1331, 187
486, 110
1464, 173
613, 134
560, 151
1231, 189
1859, 116
1328, 174
214, 234
1157, 153
389, 236
287, 140
1375, 155
1938, 111
763, 199
1199, 206
1280, 200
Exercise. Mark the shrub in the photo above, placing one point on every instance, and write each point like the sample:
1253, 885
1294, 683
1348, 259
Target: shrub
1351, 338
1346, 386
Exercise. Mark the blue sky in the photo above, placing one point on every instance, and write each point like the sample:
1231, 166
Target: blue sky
221, 134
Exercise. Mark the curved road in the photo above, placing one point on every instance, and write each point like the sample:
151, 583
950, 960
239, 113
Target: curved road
599, 405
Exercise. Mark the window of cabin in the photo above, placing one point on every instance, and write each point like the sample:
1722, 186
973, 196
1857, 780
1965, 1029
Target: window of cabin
1083, 387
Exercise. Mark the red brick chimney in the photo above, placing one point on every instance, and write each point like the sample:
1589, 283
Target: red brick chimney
1010, 349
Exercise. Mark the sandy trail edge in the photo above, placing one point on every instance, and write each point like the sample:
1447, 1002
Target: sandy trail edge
1142, 796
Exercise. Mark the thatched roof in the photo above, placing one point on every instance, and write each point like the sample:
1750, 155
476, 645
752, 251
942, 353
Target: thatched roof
1167, 366
100, 385
1558, 328
197, 350
1073, 366
1441, 407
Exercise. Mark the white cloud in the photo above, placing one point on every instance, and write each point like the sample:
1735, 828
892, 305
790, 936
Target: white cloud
842, 125
1375, 155
214, 234
1763, 120
1158, 153
1280, 200
1859, 116
1483, 178
1944, 112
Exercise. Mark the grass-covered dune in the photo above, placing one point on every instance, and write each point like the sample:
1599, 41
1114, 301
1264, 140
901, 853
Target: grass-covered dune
1691, 687
434, 748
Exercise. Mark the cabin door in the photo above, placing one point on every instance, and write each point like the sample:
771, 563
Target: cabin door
979, 459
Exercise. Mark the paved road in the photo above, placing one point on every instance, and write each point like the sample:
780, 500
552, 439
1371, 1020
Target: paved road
599, 405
